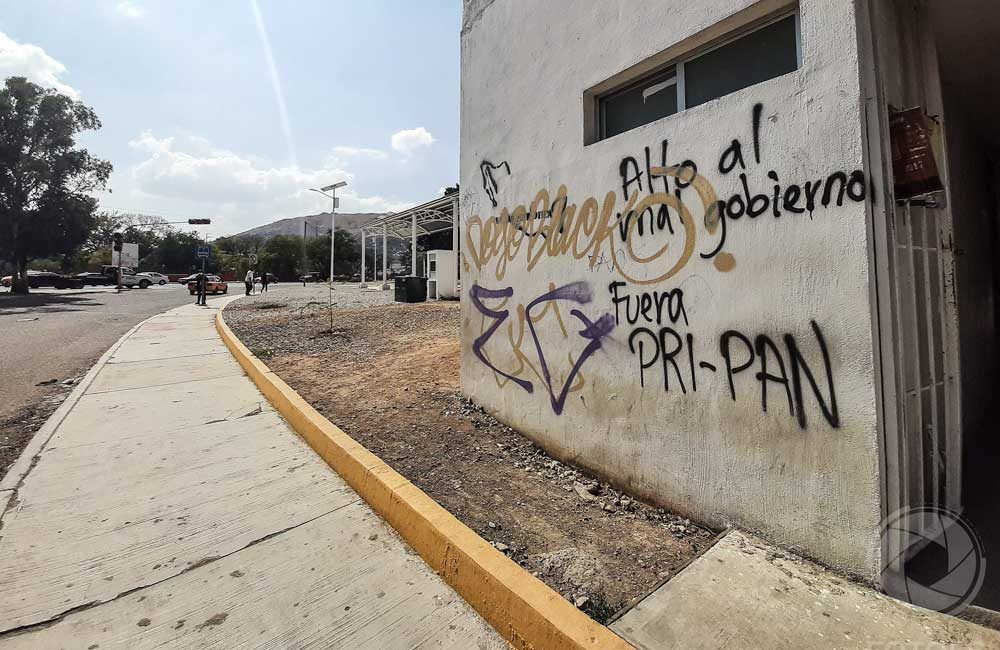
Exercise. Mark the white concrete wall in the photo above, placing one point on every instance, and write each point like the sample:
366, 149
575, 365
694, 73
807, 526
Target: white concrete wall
525, 67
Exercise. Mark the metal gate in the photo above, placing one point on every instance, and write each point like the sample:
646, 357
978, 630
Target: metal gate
913, 292
925, 339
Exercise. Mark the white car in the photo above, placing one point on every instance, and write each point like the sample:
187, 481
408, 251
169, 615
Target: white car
157, 278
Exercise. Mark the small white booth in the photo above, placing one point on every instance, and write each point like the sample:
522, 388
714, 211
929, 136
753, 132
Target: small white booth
441, 270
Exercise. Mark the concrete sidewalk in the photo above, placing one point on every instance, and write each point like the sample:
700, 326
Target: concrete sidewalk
167, 505
746, 593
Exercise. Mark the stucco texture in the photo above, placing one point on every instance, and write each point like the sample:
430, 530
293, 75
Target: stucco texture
649, 403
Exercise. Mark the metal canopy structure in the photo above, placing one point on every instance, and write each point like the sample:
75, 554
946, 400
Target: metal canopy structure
428, 218
431, 217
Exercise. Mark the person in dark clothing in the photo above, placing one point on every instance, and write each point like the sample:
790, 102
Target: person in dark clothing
263, 281
200, 283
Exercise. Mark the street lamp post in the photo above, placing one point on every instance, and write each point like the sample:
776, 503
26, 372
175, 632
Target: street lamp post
332, 189
333, 216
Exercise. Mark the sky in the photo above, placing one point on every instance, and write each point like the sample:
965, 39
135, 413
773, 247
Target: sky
233, 109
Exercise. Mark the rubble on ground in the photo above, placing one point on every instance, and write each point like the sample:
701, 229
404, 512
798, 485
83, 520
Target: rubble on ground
388, 376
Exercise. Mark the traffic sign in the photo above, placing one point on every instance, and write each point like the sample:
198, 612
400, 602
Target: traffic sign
253, 258
204, 251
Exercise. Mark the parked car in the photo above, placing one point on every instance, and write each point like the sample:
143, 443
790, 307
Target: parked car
271, 279
110, 270
132, 280
95, 279
129, 277
39, 279
188, 278
309, 277
213, 284
157, 278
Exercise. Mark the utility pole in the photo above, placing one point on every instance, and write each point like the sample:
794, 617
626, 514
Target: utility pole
333, 231
119, 241
199, 222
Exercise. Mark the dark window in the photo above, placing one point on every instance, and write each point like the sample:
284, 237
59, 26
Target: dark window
763, 54
648, 100
756, 56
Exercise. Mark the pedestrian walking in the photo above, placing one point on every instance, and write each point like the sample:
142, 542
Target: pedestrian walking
263, 281
248, 280
199, 282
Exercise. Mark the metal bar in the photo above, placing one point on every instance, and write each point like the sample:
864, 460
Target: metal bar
681, 87
932, 369
413, 245
364, 245
899, 349
455, 238
914, 443
953, 453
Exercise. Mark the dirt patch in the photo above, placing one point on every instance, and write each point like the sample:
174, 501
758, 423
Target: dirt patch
389, 379
17, 430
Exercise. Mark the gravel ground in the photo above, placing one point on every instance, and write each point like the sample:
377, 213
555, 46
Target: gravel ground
388, 375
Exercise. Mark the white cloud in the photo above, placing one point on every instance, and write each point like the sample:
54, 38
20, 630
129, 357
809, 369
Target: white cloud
128, 9
33, 63
148, 142
359, 152
408, 140
217, 182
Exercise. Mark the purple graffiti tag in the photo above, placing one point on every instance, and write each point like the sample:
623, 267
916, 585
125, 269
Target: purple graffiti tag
499, 317
578, 292
595, 331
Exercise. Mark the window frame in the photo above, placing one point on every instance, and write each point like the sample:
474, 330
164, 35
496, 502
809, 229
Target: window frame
602, 100
597, 102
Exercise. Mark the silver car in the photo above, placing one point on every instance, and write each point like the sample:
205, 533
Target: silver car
157, 278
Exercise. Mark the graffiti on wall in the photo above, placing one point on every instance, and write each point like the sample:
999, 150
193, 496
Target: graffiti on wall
662, 348
656, 200
663, 218
486, 169
593, 332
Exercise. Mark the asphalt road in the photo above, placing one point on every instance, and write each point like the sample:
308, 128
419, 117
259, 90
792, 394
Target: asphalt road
52, 334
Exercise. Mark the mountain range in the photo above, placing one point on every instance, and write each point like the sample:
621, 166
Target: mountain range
315, 224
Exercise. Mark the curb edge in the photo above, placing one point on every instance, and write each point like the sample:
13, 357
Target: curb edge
523, 609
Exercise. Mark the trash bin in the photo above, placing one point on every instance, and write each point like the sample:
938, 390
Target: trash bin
411, 288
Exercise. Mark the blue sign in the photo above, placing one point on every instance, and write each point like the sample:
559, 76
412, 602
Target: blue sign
204, 251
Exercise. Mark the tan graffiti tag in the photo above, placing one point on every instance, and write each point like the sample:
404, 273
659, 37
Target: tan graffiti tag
558, 228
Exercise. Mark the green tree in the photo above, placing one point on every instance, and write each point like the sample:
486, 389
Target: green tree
45, 180
283, 256
347, 256
176, 252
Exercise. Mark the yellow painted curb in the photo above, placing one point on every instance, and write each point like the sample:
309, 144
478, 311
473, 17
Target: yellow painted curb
523, 609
